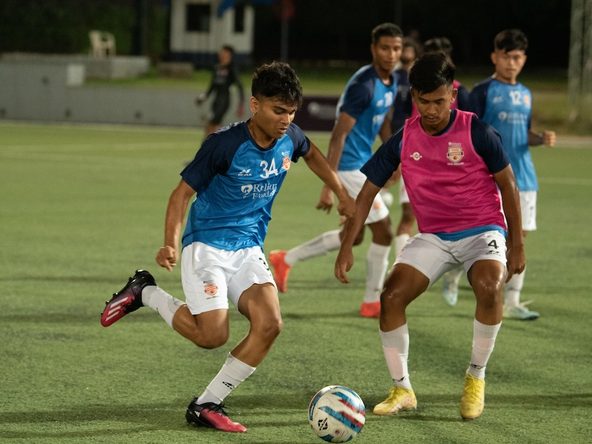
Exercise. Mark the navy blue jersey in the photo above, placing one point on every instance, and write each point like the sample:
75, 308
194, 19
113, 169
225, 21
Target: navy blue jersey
403, 103
485, 139
236, 182
508, 108
367, 99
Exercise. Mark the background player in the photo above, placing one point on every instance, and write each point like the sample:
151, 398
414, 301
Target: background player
453, 165
236, 175
224, 75
506, 104
362, 109
402, 109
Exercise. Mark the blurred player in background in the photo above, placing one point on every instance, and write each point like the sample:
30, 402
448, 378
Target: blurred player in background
224, 75
403, 108
236, 175
362, 112
455, 168
506, 104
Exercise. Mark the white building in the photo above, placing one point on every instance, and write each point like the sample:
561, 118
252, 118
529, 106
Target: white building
200, 27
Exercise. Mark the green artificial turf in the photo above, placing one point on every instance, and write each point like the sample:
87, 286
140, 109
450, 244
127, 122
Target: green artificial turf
81, 207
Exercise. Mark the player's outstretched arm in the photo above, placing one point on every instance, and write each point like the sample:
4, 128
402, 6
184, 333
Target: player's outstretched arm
319, 165
544, 138
345, 258
168, 254
511, 202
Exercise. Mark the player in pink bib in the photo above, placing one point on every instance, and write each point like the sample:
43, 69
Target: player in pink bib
464, 195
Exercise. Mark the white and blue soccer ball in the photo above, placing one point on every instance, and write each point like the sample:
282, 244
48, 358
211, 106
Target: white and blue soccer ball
336, 413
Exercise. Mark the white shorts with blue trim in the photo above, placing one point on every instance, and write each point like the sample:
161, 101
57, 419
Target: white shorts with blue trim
211, 276
353, 181
433, 256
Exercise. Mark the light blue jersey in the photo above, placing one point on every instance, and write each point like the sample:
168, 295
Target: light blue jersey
508, 108
236, 182
367, 99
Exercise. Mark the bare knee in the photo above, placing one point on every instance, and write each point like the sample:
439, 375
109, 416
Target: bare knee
489, 292
393, 298
268, 330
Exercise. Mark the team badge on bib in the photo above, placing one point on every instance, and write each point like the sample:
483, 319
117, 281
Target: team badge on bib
455, 152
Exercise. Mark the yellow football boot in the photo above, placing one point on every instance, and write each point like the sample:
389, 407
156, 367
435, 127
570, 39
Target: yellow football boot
473, 397
398, 399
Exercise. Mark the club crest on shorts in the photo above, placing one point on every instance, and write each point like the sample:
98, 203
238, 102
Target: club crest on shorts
455, 153
210, 288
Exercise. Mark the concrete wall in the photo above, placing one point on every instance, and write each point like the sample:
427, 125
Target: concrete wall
115, 67
42, 91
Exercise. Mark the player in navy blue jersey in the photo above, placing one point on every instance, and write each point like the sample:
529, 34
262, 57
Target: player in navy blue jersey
236, 176
506, 104
361, 113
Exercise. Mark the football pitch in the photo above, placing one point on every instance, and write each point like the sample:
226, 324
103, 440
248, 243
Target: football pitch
82, 207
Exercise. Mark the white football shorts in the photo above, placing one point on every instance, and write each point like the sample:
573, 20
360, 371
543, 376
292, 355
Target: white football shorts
433, 256
403, 197
211, 276
353, 181
528, 200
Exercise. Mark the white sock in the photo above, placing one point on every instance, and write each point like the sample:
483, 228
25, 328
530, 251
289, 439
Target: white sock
400, 242
376, 265
318, 246
452, 277
232, 373
395, 346
483, 342
161, 302
512, 290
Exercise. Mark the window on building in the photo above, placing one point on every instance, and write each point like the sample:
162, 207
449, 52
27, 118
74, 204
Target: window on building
197, 17
239, 18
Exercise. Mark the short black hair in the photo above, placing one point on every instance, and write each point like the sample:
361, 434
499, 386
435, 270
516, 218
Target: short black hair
386, 29
277, 79
510, 40
228, 48
430, 72
410, 42
438, 44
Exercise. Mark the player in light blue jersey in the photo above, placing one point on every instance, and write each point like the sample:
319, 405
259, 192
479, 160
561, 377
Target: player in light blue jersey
506, 104
361, 115
236, 176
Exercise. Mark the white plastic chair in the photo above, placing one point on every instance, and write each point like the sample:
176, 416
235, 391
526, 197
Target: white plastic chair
102, 43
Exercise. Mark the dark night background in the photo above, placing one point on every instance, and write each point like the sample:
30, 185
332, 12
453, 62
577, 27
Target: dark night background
320, 30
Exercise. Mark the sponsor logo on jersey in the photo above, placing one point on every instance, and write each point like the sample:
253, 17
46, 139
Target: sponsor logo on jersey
455, 153
245, 172
513, 118
259, 190
246, 189
415, 156
210, 288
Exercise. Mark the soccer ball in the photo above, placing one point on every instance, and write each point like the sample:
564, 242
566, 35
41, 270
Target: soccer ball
336, 413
